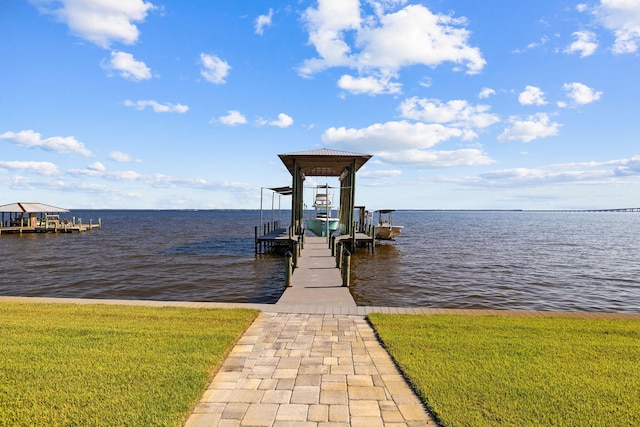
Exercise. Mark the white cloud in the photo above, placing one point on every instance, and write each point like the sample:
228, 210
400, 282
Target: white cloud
486, 92
101, 172
128, 67
214, 69
581, 94
632, 162
58, 144
397, 136
163, 181
381, 6
157, 107
415, 35
368, 85
623, 18
42, 168
581, 7
457, 113
284, 121
628, 167
585, 44
534, 127
620, 167
519, 177
159, 180
379, 173
327, 26
543, 41
263, 21
120, 157
99, 21
532, 96
233, 118
437, 159
97, 166
382, 44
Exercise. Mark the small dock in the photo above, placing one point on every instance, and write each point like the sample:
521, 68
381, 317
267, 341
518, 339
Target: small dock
358, 239
274, 237
63, 228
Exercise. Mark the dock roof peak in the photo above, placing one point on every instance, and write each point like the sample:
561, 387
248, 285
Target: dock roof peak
323, 161
30, 208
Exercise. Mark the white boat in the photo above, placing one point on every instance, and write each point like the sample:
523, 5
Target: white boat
322, 224
385, 230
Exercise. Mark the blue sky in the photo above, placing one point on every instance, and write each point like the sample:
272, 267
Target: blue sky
463, 105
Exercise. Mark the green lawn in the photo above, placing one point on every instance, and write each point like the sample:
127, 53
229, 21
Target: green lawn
513, 371
107, 365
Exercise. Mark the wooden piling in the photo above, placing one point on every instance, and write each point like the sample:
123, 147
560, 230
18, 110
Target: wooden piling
346, 269
288, 262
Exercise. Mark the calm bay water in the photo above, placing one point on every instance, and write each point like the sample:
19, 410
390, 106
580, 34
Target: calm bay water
447, 259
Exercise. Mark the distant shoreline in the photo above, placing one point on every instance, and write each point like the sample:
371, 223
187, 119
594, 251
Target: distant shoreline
397, 210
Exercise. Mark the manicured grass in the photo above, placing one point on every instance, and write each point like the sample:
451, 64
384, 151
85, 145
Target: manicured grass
108, 365
513, 371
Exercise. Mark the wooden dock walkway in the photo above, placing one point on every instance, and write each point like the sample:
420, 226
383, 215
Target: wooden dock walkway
316, 281
55, 228
273, 238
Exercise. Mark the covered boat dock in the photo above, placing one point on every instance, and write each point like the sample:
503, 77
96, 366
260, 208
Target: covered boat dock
324, 163
21, 217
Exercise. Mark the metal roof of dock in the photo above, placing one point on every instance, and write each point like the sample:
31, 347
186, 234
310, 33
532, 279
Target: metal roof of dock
323, 162
30, 208
285, 191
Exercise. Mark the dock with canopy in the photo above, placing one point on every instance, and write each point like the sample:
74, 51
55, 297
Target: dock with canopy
317, 163
27, 217
328, 163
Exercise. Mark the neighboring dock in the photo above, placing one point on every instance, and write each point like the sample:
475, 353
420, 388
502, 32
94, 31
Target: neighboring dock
21, 218
52, 227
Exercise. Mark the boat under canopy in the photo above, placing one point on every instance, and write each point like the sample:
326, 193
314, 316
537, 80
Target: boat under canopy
324, 162
323, 223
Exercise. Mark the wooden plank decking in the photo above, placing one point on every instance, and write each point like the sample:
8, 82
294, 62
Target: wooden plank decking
316, 281
62, 228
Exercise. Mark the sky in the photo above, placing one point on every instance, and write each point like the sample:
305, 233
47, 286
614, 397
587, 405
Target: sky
132, 104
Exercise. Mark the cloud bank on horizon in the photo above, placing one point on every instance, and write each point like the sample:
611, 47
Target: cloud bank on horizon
462, 106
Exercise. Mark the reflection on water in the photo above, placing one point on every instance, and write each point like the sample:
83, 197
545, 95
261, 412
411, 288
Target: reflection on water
494, 260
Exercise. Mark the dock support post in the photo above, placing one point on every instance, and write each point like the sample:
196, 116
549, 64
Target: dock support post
296, 253
339, 255
288, 269
346, 269
255, 237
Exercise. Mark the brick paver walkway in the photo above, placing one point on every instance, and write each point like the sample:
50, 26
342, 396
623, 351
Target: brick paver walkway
309, 370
